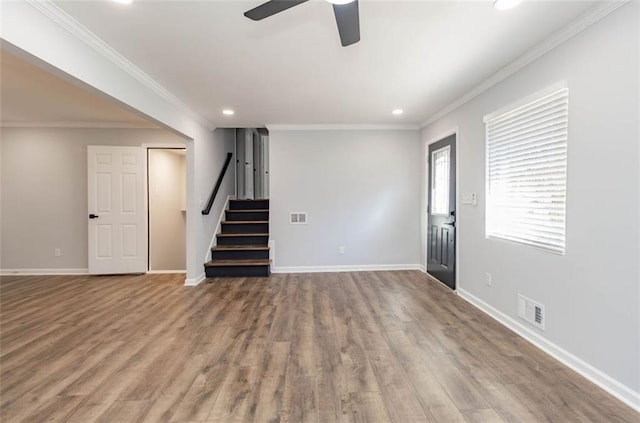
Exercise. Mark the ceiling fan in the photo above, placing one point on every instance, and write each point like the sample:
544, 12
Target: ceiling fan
346, 12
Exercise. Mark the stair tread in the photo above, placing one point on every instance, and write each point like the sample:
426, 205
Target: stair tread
243, 222
240, 247
226, 234
249, 210
239, 262
241, 213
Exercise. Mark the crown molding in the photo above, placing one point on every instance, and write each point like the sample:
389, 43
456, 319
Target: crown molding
82, 33
341, 127
85, 124
581, 23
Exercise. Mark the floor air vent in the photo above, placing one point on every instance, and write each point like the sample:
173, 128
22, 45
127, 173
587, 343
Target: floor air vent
531, 311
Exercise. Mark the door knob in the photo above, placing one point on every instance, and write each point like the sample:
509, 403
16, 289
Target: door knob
93, 216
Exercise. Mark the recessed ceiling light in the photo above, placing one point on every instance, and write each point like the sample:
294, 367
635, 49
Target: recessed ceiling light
505, 4
228, 112
397, 112
123, 1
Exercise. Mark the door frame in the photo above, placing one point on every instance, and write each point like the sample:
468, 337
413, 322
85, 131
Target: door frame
425, 200
145, 148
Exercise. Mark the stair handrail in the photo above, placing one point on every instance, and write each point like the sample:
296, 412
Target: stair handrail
207, 209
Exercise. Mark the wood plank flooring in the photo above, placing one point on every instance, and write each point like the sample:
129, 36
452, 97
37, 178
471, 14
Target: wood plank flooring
343, 347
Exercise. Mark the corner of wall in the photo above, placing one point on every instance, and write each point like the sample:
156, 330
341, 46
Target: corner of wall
194, 281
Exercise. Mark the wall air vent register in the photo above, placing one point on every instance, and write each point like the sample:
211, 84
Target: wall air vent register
298, 218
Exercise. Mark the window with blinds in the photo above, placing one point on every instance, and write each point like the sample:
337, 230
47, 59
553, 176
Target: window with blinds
527, 171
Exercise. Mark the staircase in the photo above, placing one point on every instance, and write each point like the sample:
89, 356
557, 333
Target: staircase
242, 248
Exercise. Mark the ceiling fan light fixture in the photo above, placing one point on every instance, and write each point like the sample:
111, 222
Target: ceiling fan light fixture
505, 4
340, 1
346, 12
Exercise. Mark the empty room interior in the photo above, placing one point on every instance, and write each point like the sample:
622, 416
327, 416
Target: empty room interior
320, 211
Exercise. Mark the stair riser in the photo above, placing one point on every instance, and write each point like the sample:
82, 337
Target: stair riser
235, 255
243, 240
245, 228
237, 271
248, 204
246, 216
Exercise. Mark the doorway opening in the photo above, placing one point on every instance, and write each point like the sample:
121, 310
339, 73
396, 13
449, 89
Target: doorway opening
252, 163
166, 217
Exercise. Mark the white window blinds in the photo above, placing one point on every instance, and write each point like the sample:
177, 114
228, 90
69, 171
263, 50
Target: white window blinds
527, 172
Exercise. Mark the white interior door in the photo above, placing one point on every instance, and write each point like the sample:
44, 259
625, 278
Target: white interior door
248, 164
257, 166
264, 141
117, 241
240, 163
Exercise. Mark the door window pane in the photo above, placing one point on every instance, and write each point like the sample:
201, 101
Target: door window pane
440, 160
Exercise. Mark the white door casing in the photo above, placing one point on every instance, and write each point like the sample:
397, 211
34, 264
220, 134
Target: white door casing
117, 240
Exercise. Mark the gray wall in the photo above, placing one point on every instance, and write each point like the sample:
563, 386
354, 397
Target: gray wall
209, 158
167, 210
591, 294
44, 192
360, 190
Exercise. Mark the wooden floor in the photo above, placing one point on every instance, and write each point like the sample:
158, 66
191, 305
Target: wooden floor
347, 347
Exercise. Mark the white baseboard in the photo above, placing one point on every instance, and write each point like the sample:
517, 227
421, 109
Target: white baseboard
604, 381
348, 268
423, 268
272, 251
195, 281
164, 272
49, 272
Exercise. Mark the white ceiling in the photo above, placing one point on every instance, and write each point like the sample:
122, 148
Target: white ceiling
290, 68
32, 96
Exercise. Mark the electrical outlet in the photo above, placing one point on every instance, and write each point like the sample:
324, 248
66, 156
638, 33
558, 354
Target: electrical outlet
341, 249
487, 279
57, 252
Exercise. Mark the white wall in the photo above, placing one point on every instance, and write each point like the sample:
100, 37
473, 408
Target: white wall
167, 219
1, 200
38, 33
44, 191
360, 189
591, 294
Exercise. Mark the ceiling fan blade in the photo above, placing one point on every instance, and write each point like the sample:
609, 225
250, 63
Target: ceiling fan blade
271, 8
348, 20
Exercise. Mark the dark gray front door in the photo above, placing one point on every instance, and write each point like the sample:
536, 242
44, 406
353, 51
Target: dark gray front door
441, 219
